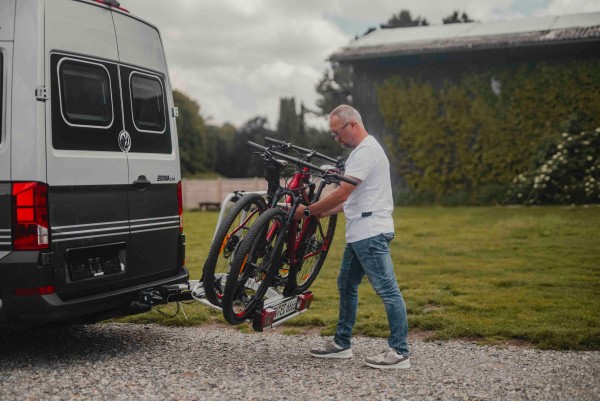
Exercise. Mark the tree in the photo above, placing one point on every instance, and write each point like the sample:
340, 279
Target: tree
404, 20
335, 88
288, 126
368, 31
242, 163
456, 18
191, 130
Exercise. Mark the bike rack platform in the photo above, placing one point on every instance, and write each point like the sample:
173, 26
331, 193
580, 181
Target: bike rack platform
276, 309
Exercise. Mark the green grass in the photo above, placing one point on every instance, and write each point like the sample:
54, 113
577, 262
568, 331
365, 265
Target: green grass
491, 274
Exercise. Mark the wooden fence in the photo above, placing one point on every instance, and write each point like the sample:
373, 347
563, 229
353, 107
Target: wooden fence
208, 194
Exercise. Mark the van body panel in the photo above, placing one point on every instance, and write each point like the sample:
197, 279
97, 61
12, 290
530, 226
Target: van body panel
5, 110
139, 44
90, 237
80, 28
27, 128
7, 20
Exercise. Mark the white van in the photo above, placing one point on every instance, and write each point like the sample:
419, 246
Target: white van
90, 185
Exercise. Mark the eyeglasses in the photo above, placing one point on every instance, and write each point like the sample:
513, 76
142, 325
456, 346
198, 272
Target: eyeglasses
335, 134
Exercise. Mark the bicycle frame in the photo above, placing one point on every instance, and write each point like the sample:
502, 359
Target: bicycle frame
293, 195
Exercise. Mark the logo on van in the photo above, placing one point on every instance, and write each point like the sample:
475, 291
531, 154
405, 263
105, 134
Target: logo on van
124, 141
164, 177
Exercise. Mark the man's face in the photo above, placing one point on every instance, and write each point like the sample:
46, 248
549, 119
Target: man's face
342, 131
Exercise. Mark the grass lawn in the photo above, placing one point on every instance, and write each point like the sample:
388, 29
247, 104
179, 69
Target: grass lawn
490, 274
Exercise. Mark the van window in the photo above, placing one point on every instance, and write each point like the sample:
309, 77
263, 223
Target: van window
85, 94
148, 105
145, 110
87, 115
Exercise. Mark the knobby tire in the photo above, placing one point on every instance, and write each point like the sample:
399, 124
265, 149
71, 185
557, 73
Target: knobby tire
227, 240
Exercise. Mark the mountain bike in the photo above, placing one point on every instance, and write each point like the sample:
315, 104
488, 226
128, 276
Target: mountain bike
240, 218
280, 251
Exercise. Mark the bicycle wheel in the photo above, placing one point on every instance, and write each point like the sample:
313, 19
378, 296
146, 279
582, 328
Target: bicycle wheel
254, 266
233, 228
313, 251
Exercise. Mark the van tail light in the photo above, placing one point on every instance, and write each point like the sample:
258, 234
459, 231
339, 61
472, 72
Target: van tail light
45, 290
180, 205
30, 216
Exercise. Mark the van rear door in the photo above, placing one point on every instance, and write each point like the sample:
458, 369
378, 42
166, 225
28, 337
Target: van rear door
153, 157
87, 170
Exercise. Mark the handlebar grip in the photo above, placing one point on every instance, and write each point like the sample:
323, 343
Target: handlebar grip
346, 179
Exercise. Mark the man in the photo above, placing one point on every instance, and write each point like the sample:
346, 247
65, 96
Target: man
368, 209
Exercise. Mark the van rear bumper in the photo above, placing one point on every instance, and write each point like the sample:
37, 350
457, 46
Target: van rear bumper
41, 309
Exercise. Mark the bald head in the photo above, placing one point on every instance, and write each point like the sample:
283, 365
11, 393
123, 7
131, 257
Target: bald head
346, 113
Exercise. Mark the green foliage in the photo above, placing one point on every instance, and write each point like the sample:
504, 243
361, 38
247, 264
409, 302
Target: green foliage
457, 18
335, 88
404, 20
566, 173
191, 129
485, 129
289, 121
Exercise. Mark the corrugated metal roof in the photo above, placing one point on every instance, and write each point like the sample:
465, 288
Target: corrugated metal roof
473, 35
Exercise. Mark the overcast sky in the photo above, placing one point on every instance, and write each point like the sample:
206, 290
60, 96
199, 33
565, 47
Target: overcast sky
236, 58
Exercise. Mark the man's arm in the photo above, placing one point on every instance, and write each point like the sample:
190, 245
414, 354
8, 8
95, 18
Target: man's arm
330, 204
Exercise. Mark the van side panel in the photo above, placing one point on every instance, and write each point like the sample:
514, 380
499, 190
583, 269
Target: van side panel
139, 44
7, 19
5, 110
27, 130
80, 28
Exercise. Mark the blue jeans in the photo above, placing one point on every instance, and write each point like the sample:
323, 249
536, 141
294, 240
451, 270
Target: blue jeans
371, 256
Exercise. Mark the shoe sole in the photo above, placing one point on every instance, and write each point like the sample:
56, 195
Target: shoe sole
337, 355
401, 365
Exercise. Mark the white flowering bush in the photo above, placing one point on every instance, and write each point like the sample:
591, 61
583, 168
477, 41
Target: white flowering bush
567, 173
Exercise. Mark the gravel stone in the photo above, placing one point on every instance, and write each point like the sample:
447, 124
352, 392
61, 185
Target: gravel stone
149, 362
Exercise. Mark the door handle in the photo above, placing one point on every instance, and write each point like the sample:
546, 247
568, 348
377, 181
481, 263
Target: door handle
141, 183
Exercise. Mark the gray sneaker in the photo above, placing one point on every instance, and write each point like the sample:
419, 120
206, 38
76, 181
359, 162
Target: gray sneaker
331, 350
389, 360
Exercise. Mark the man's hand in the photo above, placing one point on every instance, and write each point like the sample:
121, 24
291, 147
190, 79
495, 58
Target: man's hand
299, 214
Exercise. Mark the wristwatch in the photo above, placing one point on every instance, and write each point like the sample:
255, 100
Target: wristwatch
306, 212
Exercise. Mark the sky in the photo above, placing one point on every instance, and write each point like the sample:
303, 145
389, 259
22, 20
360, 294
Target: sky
237, 58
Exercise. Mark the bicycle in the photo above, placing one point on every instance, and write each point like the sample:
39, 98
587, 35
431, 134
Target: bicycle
261, 260
240, 218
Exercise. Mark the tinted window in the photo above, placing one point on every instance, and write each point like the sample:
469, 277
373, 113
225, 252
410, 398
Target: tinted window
148, 106
85, 94
95, 120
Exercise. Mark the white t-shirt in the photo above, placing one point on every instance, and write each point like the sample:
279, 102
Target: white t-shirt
369, 207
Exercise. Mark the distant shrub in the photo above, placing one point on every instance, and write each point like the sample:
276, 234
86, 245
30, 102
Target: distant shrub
567, 172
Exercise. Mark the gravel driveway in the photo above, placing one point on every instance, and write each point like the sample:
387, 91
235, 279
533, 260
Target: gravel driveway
148, 362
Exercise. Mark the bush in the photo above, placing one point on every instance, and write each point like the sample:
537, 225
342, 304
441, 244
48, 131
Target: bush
567, 172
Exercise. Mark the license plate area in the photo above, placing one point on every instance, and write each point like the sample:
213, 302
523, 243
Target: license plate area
96, 261
285, 308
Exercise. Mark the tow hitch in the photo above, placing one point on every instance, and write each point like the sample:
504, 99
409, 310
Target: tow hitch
275, 310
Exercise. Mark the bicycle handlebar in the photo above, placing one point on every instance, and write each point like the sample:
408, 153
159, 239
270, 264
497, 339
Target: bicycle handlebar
302, 163
304, 150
